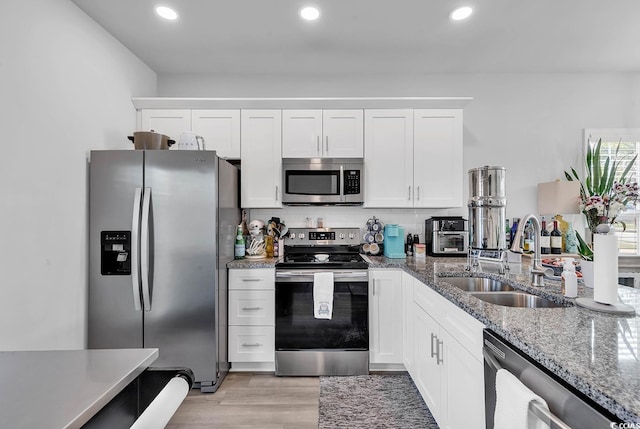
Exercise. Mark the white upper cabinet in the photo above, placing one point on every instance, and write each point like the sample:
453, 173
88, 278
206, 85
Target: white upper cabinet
322, 133
388, 158
220, 130
260, 150
413, 158
170, 122
301, 133
437, 150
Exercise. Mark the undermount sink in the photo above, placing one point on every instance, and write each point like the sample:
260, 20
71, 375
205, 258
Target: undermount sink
516, 299
478, 284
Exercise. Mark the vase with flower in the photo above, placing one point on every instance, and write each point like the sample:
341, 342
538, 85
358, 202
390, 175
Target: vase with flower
604, 193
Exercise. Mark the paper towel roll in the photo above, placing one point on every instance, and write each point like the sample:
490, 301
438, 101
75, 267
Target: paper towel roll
605, 268
164, 406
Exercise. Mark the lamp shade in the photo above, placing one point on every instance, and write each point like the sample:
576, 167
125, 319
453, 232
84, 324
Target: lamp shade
559, 197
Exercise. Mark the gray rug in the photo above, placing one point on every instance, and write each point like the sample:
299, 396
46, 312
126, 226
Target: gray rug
372, 401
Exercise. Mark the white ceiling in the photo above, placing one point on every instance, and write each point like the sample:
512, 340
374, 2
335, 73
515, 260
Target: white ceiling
377, 36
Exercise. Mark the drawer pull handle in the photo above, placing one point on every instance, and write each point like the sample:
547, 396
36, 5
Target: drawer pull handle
251, 280
252, 308
251, 345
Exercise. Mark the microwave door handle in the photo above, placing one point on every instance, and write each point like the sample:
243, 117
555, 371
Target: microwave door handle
341, 178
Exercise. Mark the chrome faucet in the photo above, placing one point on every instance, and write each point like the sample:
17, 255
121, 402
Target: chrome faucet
537, 270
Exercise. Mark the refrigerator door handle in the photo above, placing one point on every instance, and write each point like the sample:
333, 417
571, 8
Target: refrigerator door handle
144, 248
135, 232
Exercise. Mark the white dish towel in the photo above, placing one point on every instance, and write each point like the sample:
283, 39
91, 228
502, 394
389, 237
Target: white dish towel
512, 404
323, 295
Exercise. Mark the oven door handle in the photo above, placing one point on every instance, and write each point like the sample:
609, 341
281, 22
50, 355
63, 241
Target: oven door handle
534, 408
364, 275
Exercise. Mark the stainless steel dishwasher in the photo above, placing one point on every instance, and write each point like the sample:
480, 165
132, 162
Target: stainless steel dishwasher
567, 407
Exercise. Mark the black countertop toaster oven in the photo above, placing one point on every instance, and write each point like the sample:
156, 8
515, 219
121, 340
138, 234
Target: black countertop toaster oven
446, 236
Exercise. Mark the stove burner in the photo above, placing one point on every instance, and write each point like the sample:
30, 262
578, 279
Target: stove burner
311, 258
307, 259
324, 248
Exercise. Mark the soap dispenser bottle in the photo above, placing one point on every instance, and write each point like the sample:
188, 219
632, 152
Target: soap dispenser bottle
569, 279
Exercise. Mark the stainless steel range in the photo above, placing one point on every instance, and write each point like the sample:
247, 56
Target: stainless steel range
316, 335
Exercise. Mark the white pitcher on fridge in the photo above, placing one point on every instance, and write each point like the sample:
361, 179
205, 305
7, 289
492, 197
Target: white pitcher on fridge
190, 141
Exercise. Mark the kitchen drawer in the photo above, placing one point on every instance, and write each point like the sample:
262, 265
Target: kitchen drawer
251, 307
253, 278
252, 344
428, 299
464, 328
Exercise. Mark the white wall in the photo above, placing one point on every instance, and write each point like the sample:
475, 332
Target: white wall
529, 123
65, 88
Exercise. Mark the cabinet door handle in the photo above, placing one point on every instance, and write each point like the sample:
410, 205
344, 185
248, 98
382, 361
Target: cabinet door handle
277, 193
433, 336
252, 308
418, 193
251, 280
409, 197
326, 139
251, 345
439, 359
374, 287
318, 144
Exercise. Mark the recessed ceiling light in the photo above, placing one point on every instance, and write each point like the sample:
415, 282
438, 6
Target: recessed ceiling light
166, 13
461, 13
309, 13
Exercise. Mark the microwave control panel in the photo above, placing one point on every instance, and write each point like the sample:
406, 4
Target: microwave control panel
352, 182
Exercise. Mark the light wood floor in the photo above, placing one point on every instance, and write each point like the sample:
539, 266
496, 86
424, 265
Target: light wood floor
248, 400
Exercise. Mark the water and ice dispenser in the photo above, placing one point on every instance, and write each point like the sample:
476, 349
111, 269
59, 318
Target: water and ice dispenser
115, 253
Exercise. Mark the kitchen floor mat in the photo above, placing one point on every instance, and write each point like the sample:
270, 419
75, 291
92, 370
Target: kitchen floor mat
372, 401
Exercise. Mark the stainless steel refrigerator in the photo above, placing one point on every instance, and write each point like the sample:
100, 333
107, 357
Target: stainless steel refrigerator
162, 228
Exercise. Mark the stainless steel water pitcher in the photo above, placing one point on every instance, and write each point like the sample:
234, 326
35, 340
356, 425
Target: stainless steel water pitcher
487, 208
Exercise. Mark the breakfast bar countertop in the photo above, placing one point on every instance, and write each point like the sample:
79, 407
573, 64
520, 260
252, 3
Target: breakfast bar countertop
64, 388
594, 352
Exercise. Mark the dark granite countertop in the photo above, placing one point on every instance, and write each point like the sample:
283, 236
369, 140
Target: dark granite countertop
252, 263
597, 353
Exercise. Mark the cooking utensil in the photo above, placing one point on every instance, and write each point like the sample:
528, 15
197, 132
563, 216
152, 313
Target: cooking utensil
150, 140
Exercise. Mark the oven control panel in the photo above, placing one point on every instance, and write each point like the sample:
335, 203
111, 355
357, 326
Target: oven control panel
323, 236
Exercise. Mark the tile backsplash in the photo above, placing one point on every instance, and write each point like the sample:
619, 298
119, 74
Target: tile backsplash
335, 216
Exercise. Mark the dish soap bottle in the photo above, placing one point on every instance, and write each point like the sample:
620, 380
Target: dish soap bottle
569, 279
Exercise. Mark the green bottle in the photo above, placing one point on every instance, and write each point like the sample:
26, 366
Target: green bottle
239, 250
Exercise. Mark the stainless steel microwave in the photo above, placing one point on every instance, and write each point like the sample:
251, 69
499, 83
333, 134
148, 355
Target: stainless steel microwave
322, 181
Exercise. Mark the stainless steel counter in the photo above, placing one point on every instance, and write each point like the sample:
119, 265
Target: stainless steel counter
64, 389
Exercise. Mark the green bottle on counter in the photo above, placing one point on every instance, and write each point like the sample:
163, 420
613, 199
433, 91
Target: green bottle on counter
239, 250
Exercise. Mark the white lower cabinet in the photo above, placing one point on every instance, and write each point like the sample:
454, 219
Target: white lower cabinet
408, 345
252, 318
463, 393
427, 374
385, 320
447, 368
